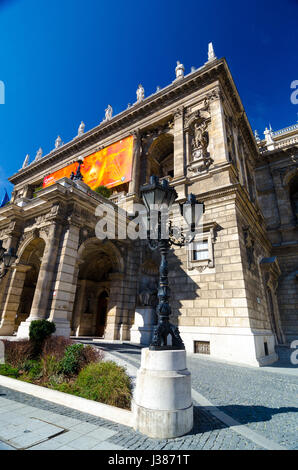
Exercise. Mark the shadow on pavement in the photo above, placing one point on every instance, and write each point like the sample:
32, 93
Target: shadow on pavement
205, 421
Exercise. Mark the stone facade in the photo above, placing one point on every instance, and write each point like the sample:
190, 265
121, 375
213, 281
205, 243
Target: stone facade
277, 186
230, 297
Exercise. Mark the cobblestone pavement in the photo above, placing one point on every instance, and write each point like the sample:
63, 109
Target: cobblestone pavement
265, 399
265, 402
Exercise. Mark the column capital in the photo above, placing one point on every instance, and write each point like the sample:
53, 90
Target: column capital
179, 112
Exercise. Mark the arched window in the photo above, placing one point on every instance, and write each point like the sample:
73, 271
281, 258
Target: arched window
294, 195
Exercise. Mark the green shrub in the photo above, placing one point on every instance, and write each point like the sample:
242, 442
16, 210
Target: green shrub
33, 369
104, 191
50, 366
72, 362
105, 382
40, 330
8, 371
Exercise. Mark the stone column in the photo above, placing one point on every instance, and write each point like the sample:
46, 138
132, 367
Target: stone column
179, 143
217, 130
10, 242
66, 281
4, 286
187, 147
136, 165
13, 298
78, 307
115, 307
39, 309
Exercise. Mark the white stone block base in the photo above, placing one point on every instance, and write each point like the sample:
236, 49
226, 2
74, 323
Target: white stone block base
162, 404
142, 330
23, 330
239, 345
62, 328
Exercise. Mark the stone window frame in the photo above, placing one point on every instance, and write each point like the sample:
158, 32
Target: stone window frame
208, 232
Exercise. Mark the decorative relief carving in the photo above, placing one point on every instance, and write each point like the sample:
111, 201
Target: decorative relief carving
250, 247
213, 95
148, 284
179, 112
8, 230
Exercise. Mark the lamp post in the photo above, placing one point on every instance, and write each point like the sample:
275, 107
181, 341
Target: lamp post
162, 404
7, 258
157, 197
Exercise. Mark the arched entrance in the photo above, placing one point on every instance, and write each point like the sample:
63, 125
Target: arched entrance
31, 256
97, 263
21, 286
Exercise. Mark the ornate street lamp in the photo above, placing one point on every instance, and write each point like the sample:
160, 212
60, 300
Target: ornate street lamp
7, 258
162, 196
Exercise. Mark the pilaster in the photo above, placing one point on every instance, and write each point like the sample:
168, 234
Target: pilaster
12, 299
217, 130
64, 288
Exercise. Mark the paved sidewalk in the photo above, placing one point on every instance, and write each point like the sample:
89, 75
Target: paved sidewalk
30, 427
27, 422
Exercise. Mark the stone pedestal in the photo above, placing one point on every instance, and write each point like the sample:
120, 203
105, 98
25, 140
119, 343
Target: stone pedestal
162, 404
23, 330
142, 330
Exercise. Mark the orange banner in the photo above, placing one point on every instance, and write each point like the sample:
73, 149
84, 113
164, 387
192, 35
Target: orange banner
108, 167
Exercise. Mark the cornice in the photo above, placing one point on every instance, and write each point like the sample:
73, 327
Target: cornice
271, 156
177, 90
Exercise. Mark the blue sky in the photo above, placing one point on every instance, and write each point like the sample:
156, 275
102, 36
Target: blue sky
65, 61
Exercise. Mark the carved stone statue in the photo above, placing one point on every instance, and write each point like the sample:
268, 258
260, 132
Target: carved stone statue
39, 154
81, 129
201, 159
26, 161
108, 113
147, 292
211, 54
58, 142
269, 138
140, 94
179, 70
200, 139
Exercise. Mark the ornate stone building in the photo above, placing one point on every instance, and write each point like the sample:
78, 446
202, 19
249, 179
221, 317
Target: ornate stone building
234, 294
277, 187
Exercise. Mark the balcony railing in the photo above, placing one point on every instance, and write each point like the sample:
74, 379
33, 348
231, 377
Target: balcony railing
285, 130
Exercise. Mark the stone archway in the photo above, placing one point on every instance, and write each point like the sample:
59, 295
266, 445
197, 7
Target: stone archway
22, 286
99, 264
161, 157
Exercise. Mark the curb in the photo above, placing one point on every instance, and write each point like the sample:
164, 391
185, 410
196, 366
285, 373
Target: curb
111, 413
